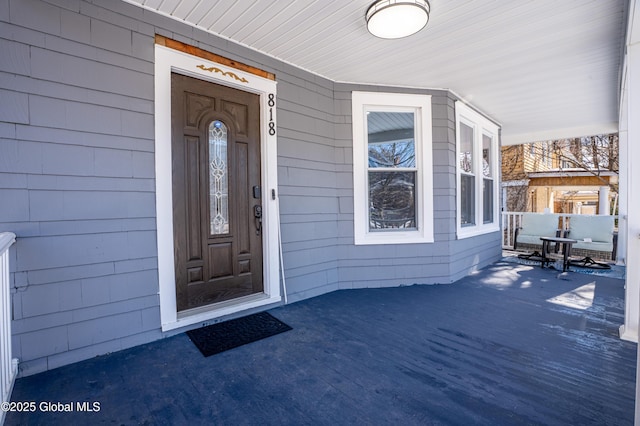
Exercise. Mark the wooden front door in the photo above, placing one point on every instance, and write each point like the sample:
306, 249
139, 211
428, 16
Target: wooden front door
217, 226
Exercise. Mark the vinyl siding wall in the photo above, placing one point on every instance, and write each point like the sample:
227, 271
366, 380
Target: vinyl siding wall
307, 183
77, 180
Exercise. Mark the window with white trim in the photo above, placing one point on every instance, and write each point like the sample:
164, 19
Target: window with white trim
477, 173
392, 168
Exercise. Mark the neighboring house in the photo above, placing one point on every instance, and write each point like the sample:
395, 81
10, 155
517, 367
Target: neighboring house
553, 176
160, 177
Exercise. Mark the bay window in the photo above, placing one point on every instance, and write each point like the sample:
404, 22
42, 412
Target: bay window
477, 172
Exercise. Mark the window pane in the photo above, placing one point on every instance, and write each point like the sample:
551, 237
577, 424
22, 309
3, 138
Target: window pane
487, 200
392, 200
467, 200
486, 155
390, 139
466, 148
218, 179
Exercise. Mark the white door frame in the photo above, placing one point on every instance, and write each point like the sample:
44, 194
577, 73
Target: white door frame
167, 61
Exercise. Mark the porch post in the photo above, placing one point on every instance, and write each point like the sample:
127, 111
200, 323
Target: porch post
630, 145
632, 142
604, 208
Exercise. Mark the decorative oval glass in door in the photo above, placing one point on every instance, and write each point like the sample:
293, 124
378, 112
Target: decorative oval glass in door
218, 179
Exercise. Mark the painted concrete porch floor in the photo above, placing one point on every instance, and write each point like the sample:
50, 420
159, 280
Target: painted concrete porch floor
509, 345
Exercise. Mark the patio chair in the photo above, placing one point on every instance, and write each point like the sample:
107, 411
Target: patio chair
532, 227
593, 232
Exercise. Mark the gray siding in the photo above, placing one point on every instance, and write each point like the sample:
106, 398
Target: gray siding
307, 183
77, 180
76, 151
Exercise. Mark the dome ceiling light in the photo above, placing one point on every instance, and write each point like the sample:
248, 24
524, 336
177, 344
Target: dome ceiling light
397, 18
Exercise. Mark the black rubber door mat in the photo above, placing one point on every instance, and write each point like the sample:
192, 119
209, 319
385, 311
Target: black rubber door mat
223, 336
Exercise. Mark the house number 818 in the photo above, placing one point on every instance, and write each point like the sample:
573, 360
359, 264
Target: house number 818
271, 103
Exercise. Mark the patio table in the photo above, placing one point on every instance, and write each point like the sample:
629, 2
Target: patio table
566, 250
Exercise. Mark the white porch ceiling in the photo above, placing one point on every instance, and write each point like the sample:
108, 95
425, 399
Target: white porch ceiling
543, 69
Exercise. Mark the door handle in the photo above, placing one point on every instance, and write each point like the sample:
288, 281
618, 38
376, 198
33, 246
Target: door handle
257, 215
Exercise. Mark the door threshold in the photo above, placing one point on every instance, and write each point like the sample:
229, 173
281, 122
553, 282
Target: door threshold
220, 309
222, 305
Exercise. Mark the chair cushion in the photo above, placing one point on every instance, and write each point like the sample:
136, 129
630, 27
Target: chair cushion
538, 225
529, 239
598, 228
598, 246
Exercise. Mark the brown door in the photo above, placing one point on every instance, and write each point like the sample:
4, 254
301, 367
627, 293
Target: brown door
216, 192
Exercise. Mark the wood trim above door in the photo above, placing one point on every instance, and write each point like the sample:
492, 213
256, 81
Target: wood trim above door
204, 54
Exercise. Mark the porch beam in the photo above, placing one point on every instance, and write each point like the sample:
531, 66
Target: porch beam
596, 181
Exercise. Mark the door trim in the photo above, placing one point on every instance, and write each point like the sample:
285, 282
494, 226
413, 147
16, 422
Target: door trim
167, 61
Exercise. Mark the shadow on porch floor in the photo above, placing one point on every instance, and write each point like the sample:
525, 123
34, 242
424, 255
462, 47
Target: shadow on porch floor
512, 344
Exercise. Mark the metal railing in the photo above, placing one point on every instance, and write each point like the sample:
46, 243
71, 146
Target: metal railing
8, 365
513, 220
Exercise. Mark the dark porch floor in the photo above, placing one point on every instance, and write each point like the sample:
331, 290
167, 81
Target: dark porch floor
510, 345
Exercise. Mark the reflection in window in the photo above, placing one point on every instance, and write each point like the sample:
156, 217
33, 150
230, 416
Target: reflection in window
218, 179
392, 170
392, 154
466, 148
467, 200
486, 155
392, 200
467, 178
487, 182
487, 201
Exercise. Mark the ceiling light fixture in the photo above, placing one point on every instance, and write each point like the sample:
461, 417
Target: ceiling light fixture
397, 18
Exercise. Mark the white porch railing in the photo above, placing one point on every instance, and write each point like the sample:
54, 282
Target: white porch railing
512, 220
8, 366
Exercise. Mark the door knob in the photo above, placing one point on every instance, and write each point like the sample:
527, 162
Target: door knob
257, 214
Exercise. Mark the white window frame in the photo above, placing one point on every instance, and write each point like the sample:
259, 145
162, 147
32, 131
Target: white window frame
481, 126
420, 105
